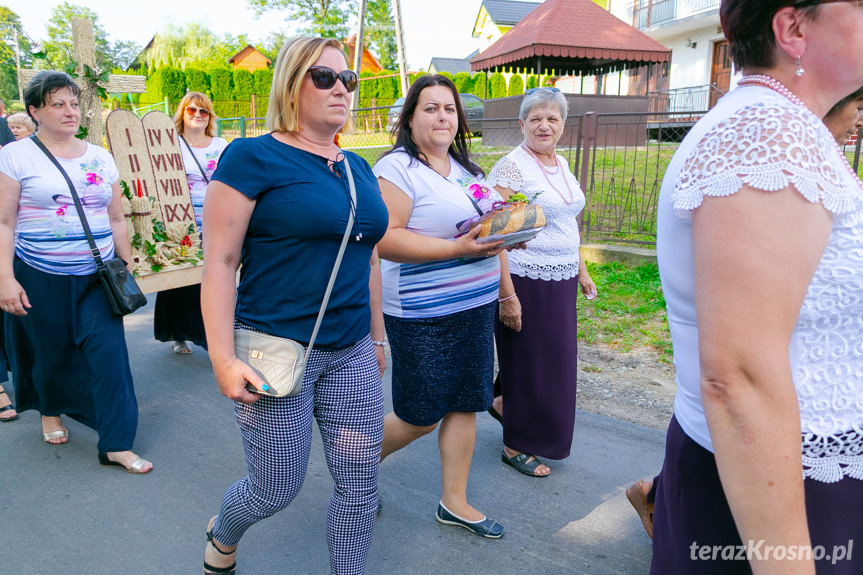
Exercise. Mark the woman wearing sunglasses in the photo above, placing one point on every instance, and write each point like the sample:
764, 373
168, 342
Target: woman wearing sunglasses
177, 317
279, 205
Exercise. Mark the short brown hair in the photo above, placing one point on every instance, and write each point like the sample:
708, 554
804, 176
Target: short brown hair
295, 58
853, 96
748, 26
201, 101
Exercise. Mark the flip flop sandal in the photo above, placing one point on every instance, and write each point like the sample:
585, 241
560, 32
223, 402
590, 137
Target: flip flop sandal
135, 468
47, 436
523, 463
6, 405
635, 495
182, 348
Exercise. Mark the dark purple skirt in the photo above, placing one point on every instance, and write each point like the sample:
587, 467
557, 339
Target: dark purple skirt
539, 368
691, 508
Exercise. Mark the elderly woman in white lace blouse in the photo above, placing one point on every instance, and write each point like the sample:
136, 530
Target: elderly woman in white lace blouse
536, 328
760, 249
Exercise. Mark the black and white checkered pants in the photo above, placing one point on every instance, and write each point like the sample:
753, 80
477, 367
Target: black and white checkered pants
342, 390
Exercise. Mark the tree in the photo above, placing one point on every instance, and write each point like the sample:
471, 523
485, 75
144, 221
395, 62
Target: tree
58, 46
124, 53
327, 18
192, 45
9, 25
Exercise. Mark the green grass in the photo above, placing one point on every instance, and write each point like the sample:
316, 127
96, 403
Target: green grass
629, 310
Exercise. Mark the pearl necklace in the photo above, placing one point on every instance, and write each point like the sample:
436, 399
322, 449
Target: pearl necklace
546, 172
773, 84
777, 86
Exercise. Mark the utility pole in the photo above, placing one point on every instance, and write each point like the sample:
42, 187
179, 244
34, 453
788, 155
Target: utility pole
18, 66
400, 45
358, 51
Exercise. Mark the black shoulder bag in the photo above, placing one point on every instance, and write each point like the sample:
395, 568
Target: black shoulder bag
123, 293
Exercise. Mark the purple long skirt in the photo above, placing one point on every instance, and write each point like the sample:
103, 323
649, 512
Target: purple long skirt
691, 513
539, 368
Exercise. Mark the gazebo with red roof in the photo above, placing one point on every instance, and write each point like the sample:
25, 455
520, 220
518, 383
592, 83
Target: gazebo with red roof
571, 37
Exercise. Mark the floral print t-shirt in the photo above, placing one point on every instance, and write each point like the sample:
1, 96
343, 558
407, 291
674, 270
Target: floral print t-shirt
49, 235
440, 204
208, 158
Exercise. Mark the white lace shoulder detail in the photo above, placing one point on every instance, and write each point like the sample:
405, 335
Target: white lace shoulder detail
767, 146
506, 174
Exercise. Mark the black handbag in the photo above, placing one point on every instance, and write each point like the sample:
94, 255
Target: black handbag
123, 293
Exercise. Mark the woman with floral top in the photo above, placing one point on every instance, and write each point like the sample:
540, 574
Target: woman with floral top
537, 329
440, 290
177, 317
67, 351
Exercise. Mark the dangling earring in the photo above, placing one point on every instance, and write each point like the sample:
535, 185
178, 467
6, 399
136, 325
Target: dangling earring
800, 71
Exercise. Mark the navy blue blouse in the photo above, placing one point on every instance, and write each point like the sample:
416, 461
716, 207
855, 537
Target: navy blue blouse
293, 238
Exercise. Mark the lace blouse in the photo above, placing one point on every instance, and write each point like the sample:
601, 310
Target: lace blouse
757, 137
553, 253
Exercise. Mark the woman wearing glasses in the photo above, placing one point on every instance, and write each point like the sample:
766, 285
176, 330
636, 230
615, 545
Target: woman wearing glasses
279, 205
760, 249
177, 317
537, 355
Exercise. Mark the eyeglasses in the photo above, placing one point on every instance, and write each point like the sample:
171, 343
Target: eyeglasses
191, 111
549, 88
325, 78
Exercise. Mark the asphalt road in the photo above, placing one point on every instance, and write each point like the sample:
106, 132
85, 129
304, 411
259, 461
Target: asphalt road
61, 512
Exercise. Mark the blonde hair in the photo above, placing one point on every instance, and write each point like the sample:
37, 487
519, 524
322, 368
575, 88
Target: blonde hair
202, 101
23, 119
295, 58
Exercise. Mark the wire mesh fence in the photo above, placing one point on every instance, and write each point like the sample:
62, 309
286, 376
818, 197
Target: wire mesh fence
619, 159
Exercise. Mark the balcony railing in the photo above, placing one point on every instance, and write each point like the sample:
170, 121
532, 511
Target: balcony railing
646, 13
682, 103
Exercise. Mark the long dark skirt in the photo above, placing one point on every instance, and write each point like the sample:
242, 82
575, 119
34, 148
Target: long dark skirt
442, 364
68, 356
691, 509
177, 316
539, 368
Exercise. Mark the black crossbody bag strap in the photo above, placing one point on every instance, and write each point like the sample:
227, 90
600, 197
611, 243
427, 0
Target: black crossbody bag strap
97, 255
197, 163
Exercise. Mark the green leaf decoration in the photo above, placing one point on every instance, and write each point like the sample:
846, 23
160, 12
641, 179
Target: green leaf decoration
82, 133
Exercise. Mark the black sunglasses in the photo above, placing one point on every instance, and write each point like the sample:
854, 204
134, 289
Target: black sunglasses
325, 78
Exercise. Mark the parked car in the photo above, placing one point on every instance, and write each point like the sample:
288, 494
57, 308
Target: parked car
473, 110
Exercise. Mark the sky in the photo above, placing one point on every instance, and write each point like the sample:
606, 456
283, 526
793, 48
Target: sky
431, 27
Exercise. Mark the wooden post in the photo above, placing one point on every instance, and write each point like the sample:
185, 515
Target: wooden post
358, 51
400, 46
84, 51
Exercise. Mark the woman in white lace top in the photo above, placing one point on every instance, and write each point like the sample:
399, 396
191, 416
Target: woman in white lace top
536, 329
760, 247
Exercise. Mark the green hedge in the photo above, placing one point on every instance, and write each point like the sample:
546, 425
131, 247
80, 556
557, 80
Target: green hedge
497, 86
221, 84
516, 85
477, 87
532, 82
462, 82
263, 81
244, 84
197, 81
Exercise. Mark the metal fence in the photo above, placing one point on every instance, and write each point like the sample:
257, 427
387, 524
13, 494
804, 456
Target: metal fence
619, 159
